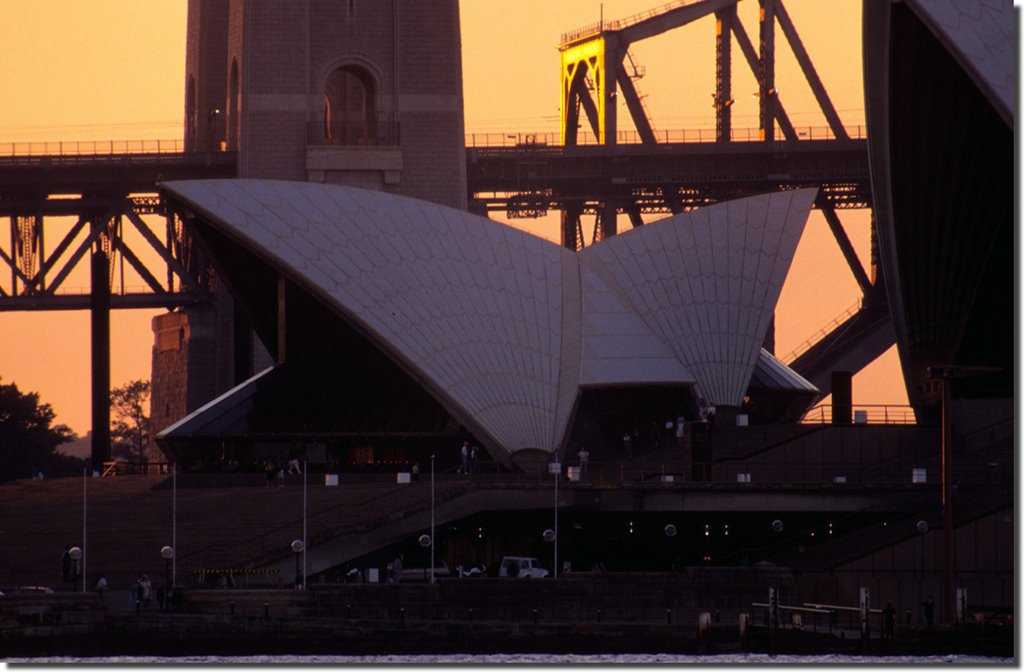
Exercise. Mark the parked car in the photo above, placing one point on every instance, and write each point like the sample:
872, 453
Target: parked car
521, 567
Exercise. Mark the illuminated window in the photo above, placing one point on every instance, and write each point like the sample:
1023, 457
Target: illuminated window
350, 109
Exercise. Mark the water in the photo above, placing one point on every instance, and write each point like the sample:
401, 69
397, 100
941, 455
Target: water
528, 659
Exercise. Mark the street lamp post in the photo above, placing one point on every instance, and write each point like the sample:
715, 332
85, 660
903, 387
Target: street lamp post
76, 554
943, 377
167, 553
556, 469
297, 548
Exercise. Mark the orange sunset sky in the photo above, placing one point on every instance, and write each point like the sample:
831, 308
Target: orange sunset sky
114, 69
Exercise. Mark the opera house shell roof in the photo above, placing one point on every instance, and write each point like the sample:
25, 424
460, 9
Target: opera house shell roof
502, 328
940, 102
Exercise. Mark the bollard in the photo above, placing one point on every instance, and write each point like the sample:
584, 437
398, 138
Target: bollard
744, 624
266, 609
718, 616
470, 614
232, 605
138, 606
909, 615
668, 616
535, 617
598, 615
401, 613
348, 611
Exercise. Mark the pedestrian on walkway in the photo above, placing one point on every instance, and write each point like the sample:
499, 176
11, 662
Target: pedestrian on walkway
929, 611
889, 618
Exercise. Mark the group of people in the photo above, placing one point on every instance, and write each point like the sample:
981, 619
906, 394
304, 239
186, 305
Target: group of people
469, 456
275, 473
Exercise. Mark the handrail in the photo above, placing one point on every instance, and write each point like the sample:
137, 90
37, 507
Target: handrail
874, 414
791, 357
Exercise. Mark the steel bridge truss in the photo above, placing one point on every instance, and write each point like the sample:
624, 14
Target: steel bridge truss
594, 60
168, 271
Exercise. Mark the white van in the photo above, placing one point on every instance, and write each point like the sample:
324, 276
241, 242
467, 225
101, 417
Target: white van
523, 568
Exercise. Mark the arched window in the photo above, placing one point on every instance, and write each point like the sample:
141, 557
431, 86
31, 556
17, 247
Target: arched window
350, 107
234, 107
191, 117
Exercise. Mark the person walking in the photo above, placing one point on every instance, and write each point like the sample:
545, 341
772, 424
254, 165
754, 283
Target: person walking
584, 456
929, 611
101, 588
145, 590
65, 564
465, 457
889, 621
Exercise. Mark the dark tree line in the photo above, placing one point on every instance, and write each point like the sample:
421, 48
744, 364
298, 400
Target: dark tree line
29, 439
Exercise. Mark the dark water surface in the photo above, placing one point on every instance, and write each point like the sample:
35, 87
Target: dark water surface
524, 659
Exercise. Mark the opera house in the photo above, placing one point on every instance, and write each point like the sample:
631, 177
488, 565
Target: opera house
401, 328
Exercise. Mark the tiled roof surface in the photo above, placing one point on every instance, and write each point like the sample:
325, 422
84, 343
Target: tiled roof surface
984, 34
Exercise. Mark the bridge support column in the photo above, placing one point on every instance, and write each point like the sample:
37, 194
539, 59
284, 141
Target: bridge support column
100, 324
609, 222
767, 92
571, 233
723, 73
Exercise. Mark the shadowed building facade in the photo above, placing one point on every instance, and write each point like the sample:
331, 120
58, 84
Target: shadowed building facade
362, 93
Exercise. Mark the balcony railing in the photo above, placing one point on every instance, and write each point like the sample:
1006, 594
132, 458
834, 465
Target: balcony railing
382, 132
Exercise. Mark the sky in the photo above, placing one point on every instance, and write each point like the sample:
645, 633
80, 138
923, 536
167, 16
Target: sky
114, 70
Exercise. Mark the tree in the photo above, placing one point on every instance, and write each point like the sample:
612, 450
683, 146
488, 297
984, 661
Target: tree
130, 425
28, 442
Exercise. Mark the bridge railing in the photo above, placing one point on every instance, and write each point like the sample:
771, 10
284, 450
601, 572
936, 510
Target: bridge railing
91, 147
386, 132
811, 341
664, 136
618, 24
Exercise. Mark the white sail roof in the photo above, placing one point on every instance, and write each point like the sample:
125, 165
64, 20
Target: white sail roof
982, 35
503, 327
707, 282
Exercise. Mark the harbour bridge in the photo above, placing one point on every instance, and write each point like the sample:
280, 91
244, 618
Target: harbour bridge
109, 189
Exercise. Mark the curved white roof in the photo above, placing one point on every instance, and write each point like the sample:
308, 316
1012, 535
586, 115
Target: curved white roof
982, 35
504, 327
707, 282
